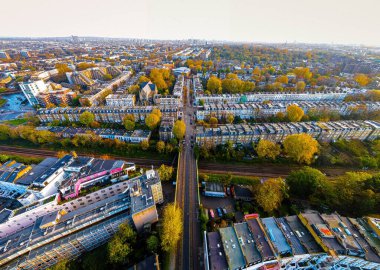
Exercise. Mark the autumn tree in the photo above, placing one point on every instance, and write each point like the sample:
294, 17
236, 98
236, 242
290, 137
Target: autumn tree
152, 121
144, 145
282, 79
362, 79
230, 118
270, 194
165, 172
86, 118
300, 86
171, 227
294, 113
157, 112
301, 147
179, 129
160, 147
214, 85
129, 122
303, 73
267, 149
213, 122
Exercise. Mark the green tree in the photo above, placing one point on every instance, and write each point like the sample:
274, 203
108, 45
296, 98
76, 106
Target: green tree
304, 183
270, 194
165, 172
179, 129
294, 113
160, 147
121, 244
152, 243
267, 149
87, 118
301, 147
171, 227
152, 121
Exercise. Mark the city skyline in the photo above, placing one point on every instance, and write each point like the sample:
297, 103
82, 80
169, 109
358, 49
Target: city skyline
343, 22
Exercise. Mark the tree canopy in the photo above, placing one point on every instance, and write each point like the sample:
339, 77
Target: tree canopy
294, 113
270, 194
267, 149
172, 227
179, 129
301, 147
87, 118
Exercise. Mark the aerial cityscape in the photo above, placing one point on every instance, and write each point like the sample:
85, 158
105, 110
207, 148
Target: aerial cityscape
191, 140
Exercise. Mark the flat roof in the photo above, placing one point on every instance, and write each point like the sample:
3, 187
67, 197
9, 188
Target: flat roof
247, 244
234, 255
303, 235
260, 239
37, 171
276, 235
216, 253
296, 245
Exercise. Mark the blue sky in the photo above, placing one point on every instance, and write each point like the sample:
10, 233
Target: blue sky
321, 21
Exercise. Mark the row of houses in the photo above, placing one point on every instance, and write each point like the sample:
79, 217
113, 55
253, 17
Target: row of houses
260, 109
104, 114
269, 243
337, 95
245, 134
178, 87
135, 136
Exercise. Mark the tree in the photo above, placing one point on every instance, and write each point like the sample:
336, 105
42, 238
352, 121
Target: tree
214, 85
294, 113
120, 245
143, 79
300, 86
213, 122
165, 172
144, 145
152, 121
362, 79
179, 129
303, 183
129, 122
270, 194
152, 243
282, 79
160, 147
267, 149
4, 132
171, 227
230, 118
157, 112
86, 118
61, 154
301, 147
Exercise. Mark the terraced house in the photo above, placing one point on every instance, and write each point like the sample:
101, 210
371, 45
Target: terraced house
263, 109
104, 114
245, 134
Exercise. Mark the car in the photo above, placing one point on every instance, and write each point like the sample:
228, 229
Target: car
220, 213
224, 211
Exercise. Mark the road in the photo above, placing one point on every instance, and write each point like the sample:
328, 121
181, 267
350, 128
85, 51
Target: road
188, 253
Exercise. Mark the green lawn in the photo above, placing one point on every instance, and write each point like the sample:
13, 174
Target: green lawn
16, 122
2, 102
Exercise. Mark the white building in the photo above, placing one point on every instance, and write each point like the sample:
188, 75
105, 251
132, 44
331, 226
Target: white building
32, 89
120, 100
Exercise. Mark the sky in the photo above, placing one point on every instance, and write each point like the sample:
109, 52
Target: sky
317, 21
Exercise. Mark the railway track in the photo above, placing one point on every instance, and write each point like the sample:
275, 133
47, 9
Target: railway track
51, 153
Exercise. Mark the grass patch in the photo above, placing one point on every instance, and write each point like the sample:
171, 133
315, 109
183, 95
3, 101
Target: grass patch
21, 159
16, 122
2, 102
234, 179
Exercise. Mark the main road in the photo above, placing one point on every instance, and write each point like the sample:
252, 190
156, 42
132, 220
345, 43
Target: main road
188, 252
